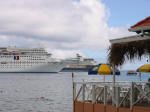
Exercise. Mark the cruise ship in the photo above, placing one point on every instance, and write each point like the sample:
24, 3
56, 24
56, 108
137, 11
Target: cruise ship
29, 60
79, 64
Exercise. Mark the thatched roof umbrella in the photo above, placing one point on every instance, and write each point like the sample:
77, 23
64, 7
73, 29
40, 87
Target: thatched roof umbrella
130, 47
133, 46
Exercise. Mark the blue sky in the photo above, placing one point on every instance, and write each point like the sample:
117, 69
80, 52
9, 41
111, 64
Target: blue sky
123, 13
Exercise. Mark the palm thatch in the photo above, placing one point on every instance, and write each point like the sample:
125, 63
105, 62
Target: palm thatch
118, 52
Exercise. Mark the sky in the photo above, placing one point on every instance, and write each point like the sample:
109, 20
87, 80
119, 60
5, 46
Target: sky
67, 27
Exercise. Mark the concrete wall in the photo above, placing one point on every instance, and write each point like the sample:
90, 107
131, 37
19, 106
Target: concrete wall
89, 107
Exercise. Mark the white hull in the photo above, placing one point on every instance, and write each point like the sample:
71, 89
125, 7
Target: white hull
52, 67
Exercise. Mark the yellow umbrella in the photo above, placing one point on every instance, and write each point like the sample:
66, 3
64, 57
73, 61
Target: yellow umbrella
144, 68
104, 69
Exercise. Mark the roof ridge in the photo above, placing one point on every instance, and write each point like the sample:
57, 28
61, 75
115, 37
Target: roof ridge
146, 20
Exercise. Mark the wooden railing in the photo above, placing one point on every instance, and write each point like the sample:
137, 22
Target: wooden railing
122, 94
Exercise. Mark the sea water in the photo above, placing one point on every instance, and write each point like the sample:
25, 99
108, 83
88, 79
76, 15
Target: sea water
46, 92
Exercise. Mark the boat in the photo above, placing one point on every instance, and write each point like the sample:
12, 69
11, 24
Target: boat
29, 60
131, 72
79, 64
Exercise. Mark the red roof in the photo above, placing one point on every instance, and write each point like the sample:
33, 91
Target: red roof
144, 22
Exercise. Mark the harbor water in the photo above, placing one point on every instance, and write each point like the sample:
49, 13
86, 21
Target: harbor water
46, 92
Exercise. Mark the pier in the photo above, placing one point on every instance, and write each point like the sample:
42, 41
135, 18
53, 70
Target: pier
106, 97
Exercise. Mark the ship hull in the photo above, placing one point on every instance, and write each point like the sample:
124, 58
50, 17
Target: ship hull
77, 68
51, 67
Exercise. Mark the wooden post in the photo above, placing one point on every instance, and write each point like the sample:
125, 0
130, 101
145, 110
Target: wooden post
140, 76
93, 94
114, 76
74, 91
113, 91
131, 95
117, 96
83, 92
105, 95
73, 86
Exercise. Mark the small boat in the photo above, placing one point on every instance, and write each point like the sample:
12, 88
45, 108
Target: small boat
131, 72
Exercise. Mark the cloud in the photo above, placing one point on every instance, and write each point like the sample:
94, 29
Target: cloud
118, 32
62, 26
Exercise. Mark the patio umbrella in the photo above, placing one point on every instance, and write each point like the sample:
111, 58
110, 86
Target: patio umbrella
105, 69
102, 69
144, 68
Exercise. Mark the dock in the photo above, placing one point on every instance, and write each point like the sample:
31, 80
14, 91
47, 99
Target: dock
106, 97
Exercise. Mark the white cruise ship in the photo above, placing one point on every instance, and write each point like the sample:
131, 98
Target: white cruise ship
79, 64
31, 60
